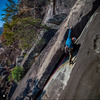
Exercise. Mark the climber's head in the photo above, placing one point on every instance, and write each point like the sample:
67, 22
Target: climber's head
74, 39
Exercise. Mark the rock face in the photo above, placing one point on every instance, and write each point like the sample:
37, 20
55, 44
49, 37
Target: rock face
42, 68
53, 49
35, 8
2, 69
85, 78
57, 19
63, 6
12, 89
58, 81
58, 9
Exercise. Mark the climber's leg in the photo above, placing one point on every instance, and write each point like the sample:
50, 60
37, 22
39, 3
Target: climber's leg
65, 49
70, 56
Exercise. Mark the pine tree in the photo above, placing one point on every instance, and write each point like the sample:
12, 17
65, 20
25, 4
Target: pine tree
10, 11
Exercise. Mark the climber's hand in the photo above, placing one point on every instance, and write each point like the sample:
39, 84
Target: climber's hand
70, 27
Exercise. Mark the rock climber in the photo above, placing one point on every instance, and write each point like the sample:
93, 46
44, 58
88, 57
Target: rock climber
69, 45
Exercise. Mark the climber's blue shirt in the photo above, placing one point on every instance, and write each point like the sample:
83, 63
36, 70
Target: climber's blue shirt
69, 42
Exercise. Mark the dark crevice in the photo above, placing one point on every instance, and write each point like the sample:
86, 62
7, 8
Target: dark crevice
54, 5
77, 30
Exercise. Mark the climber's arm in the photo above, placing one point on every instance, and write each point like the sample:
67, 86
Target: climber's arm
69, 34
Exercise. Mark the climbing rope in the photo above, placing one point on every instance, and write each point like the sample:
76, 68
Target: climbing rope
56, 69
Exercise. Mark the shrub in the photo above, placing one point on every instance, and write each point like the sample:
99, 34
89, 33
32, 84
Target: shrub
0, 78
8, 37
45, 27
42, 41
25, 31
9, 77
17, 73
25, 45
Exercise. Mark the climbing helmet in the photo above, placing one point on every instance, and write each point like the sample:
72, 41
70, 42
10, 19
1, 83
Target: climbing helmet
74, 39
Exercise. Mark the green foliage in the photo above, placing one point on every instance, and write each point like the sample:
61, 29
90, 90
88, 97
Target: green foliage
10, 10
24, 45
42, 41
8, 38
48, 2
45, 27
8, 62
0, 78
9, 78
17, 73
25, 30
7, 26
31, 21
25, 55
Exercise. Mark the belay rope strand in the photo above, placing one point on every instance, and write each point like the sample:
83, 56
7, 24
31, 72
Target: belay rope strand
56, 69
